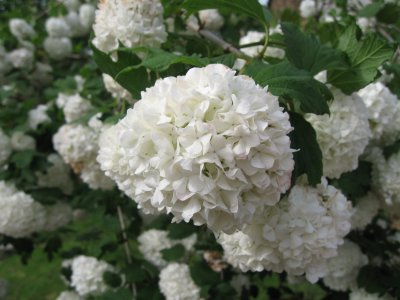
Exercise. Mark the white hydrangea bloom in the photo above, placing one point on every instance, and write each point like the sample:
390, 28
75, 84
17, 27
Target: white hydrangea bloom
87, 275
80, 82
38, 116
254, 37
20, 141
308, 8
69, 295
71, 5
5, 147
5, 63
208, 146
57, 27
358, 4
361, 294
74, 23
342, 135
57, 216
209, 18
298, 235
343, 269
74, 106
389, 179
176, 283
56, 176
20, 214
87, 13
383, 112
58, 48
366, 209
115, 89
152, 241
21, 29
131, 22
93, 176
21, 58
366, 23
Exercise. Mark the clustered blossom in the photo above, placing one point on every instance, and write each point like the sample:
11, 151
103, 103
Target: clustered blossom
57, 27
5, 147
343, 269
176, 283
21, 58
208, 146
151, 242
115, 89
209, 19
73, 106
365, 210
21, 141
298, 235
20, 214
131, 22
308, 8
342, 135
69, 295
57, 215
38, 116
383, 112
58, 48
255, 37
87, 275
21, 29
388, 179
361, 294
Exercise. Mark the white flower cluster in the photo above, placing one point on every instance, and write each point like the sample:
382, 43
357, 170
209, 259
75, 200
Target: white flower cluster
5, 147
388, 179
78, 146
366, 209
383, 112
361, 294
21, 141
38, 116
343, 269
308, 8
58, 48
209, 19
20, 214
21, 58
298, 235
130, 22
255, 37
342, 135
69, 295
21, 29
151, 242
87, 275
208, 146
115, 89
73, 106
57, 216
5, 63
176, 283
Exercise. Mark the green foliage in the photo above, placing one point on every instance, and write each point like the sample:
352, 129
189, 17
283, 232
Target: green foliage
174, 253
112, 279
365, 56
178, 231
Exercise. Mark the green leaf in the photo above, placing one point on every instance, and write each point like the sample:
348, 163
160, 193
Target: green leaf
307, 53
174, 253
22, 159
177, 231
251, 8
283, 79
121, 294
226, 59
365, 57
389, 14
46, 195
134, 80
308, 160
201, 273
112, 279
134, 273
370, 10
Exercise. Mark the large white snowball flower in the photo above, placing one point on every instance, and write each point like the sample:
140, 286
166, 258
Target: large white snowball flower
208, 146
74, 23
20, 141
37, 116
87, 15
74, 106
389, 179
298, 235
383, 112
366, 209
87, 275
342, 135
308, 8
21, 29
57, 215
361, 294
130, 22
92, 175
57, 27
57, 175
152, 241
115, 89
69, 295
21, 58
343, 269
176, 283
20, 215
58, 48
5, 147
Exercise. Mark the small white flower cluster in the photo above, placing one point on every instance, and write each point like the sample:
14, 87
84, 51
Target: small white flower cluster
383, 113
115, 89
388, 179
176, 283
73, 106
69, 295
5, 63
255, 37
308, 8
209, 146
37, 116
21, 29
87, 275
21, 58
21, 141
78, 146
366, 209
57, 216
298, 235
151, 242
361, 294
209, 19
343, 269
342, 135
131, 22
5, 147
